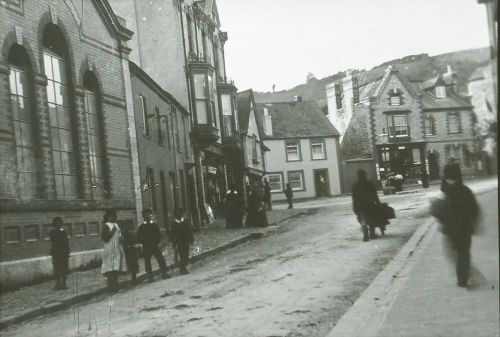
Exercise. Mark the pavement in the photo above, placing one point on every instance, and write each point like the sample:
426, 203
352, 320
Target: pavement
416, 294
31, 301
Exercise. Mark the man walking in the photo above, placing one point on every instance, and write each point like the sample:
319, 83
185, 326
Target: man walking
459, 215
364, 198
59, 250
149, 236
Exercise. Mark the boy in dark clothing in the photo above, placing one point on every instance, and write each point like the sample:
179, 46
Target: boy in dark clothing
364, 197
182, 236
132, 250
59, 250
148, 234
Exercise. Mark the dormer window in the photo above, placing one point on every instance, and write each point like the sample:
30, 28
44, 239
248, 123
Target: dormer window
441, 91
395, 97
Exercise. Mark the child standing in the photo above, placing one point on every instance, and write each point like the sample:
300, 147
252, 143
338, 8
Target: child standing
132, 250
182, 235
149, 236
59, 250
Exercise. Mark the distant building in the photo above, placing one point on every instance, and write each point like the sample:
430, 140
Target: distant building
304, 150
253, 162
64, 142
164, 149
408, 127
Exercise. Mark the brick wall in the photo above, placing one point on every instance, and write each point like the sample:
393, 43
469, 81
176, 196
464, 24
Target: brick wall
90, 46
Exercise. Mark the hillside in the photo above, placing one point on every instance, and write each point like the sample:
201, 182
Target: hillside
416, 67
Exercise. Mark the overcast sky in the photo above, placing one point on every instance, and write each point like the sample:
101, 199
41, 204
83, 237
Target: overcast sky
281, 41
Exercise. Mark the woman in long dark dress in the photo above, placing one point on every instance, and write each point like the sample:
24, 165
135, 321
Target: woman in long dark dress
256, 211
233, 209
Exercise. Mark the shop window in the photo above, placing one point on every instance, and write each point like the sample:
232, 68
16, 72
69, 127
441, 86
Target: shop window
398, 125
22, 118
93, 228
430, 125
292, 151
275, 182
454, 123
318, 150
62, 130
296, 180
31, 233
80, 229
94, 135
12, 234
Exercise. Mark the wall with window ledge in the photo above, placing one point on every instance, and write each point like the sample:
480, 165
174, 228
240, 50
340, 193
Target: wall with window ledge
89, 45
455, 149
276, 162
441, 125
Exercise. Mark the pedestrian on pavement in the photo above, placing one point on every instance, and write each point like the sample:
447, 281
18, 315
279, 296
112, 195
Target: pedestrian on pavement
132, 249
459, 216
149, 235
234, 212
289, 195
59, 250
113, 256
182, 234
267, 195
256, 214
364, 201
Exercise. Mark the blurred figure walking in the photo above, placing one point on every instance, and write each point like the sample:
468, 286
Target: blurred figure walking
289, 195
458, 213
364, 201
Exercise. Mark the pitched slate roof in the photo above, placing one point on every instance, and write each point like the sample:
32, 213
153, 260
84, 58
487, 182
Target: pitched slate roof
452, 100
297, 120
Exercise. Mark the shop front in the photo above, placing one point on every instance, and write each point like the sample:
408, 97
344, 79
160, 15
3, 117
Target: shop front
214, 180
407, 160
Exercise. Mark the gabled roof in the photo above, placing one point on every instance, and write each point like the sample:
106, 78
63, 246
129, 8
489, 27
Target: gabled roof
297, 120
243, 102
112, 21
392, 71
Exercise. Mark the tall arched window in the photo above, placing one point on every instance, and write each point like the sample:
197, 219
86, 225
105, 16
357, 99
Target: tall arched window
61, 124
22, 118
94, 135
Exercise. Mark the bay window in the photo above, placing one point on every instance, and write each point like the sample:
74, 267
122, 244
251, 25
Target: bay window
227, 114
201, 98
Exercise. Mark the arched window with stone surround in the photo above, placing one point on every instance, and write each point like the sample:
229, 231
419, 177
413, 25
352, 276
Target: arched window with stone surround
94, 120
23, 122
55, 60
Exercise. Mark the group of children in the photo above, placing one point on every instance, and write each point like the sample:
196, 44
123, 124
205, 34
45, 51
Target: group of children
122, 249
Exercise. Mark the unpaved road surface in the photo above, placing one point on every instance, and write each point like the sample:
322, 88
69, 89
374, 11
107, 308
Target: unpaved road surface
296, 282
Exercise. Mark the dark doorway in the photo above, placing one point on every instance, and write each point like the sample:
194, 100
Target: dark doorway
433, 166
321, 183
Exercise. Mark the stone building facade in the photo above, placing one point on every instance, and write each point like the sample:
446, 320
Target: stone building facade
411, 127
63, 137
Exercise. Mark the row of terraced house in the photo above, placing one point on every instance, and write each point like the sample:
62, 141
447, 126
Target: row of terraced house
126, 104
